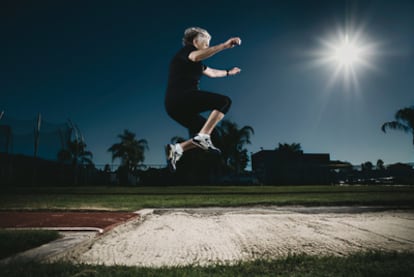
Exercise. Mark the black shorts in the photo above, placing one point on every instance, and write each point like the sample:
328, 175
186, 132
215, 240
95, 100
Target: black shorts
185, 108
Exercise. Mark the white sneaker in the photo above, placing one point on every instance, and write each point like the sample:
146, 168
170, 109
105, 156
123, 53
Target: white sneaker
204, 142
173, 155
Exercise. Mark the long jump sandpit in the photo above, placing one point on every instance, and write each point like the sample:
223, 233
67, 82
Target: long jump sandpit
205, 236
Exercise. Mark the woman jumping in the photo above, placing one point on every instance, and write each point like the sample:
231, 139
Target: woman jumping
185, 101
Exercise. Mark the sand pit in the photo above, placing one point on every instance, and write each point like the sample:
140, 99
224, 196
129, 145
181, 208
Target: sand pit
176, 237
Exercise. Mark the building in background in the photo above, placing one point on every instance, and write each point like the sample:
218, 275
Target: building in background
273, 167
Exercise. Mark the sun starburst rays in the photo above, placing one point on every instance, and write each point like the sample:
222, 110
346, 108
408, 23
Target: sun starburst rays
347, 55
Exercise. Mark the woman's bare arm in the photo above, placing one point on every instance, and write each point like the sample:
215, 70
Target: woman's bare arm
202, 54
214, 73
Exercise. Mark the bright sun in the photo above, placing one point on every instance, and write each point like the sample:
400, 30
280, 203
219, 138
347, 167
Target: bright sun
346, 55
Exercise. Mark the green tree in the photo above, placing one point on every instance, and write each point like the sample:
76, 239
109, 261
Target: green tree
177, 139
233, 140
380, 165
289, 148
404, 121
130, 151
76, 154
367, 166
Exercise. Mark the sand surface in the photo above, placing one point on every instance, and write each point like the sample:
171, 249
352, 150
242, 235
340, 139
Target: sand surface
206, 236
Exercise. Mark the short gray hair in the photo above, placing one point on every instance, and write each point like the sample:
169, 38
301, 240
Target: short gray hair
194, 32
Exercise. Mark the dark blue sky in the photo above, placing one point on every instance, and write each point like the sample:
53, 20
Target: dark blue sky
104, 65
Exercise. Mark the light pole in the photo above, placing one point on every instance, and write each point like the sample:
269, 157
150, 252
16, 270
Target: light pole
36, 145
37, 134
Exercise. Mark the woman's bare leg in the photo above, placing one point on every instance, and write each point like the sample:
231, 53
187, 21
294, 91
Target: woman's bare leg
187, 145
214, 118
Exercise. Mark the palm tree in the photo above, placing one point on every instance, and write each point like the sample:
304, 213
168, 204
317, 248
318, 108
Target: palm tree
404, 121
233, 141
289, 148
380, 165
75, 153
177, 139
130, 151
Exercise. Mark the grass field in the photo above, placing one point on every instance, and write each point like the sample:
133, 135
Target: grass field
362, 264
135, 198
12, 242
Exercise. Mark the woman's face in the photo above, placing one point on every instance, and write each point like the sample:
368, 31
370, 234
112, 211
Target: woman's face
202, 42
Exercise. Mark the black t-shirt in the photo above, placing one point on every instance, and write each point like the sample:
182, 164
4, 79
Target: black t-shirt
184, 74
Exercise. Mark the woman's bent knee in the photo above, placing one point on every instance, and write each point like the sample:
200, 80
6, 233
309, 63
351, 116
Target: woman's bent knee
225, 105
